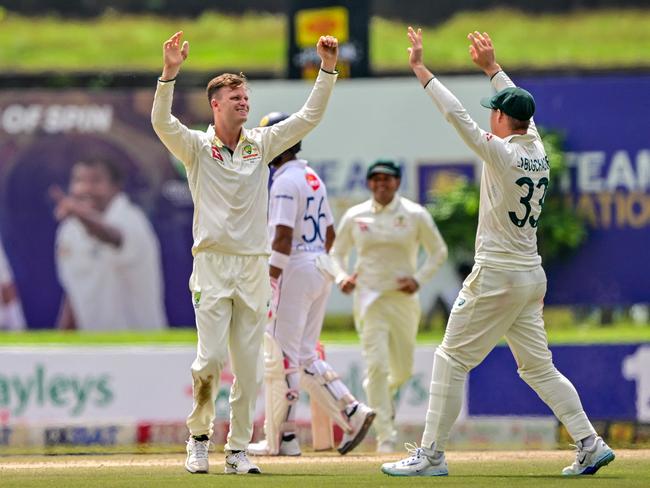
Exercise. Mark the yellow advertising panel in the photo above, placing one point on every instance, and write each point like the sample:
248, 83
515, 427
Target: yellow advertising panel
316, 22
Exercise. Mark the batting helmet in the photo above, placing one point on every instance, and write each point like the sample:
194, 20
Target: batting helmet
273, 118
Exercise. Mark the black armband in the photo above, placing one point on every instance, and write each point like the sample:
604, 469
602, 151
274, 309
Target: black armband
167, 81
495, 74
330, 72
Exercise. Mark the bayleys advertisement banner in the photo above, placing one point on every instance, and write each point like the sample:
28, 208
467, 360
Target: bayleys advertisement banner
43, 133
91, 395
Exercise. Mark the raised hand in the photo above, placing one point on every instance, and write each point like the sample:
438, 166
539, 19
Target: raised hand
482, 52
174, 54
327, 49
415, 51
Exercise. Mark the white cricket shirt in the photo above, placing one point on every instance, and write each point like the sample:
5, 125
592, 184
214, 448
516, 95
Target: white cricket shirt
514, 183
387, 240
112, 288
298, 200
230, 191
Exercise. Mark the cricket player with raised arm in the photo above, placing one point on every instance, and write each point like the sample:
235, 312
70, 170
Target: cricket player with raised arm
301, 228
387, 232
227, 172
504, 294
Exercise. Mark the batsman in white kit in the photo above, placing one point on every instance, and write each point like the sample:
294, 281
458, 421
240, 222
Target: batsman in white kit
504, 294
227, 172
302, 232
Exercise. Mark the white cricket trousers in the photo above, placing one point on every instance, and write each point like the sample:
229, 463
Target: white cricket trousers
231, 296
387, 330
303, 299
492, 304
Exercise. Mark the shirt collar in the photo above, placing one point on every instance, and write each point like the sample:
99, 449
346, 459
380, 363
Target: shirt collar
378, 207
301, 163
217, 142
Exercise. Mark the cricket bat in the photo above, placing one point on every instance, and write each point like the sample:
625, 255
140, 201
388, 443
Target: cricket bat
322, 432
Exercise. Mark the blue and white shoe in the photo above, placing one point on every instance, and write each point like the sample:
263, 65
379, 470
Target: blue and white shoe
420, 463
590, 459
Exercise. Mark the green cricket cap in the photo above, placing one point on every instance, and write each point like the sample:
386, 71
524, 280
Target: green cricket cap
513, 101
386, 167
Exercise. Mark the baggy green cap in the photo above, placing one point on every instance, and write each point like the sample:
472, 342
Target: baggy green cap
386, 167
513, 101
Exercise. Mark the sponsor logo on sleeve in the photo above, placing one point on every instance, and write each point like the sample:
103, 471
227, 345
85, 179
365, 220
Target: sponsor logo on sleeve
312, 180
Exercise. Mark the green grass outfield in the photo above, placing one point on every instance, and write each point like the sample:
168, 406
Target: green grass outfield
591, 39
477, 469
336, 331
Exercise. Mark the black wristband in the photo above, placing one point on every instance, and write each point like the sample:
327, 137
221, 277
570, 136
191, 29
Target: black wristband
166, 81
330, 72
495, 74
427, 83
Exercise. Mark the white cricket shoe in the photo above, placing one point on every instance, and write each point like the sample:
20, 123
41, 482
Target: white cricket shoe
386, 447
238, 463
287, 448
590, 459
197, 455
419, 463
360, 421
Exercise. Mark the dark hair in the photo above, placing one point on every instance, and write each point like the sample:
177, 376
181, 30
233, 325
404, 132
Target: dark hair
227, 79
114, 171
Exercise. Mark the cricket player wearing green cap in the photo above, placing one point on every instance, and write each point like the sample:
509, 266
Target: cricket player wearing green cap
504, 294
387, 232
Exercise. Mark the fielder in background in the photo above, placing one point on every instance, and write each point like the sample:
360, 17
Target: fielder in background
504, 294
228, 173
11, 310
107, 254
387, 232
302, 232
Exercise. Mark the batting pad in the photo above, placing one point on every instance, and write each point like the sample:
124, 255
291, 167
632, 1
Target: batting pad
278, 396
318, 387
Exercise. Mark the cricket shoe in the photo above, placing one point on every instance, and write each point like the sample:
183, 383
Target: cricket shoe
237, 462
590, 459
360, 421
287, 448
197, 454
421, 462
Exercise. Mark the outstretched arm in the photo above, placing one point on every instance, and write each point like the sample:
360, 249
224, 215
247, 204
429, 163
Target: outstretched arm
285, 134
415, 56
481, 50
174, 54
449, 105
328, 51
179, 140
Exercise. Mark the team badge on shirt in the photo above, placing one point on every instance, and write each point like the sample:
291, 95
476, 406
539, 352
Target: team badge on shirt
249, 151
312, 180
489, 136
400, 222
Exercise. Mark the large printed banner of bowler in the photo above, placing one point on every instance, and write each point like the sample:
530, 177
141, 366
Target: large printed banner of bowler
43, 133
